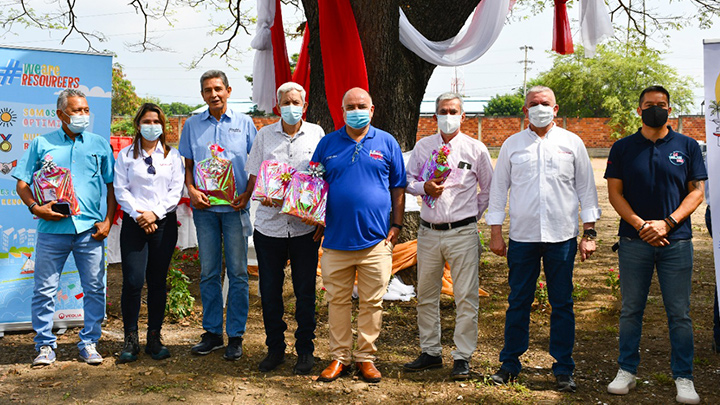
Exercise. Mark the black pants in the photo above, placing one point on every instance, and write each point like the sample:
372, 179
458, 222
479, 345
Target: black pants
146, 257
272, 254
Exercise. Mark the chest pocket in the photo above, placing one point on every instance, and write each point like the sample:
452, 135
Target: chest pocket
93, 165
564, 166
523, 167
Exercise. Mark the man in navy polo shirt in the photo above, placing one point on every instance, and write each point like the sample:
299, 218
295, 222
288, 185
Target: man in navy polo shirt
365, 205
655, 182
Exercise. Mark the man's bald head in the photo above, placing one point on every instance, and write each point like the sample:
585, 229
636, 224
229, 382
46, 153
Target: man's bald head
355, 97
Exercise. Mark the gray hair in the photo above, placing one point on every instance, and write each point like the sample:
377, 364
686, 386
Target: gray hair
449, 95
62, 98
538, 89
214, 74
288, 87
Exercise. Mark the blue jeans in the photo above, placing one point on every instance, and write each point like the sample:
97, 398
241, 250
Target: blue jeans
674, 265
558, 260
716, 312
216, 230
272, 255
51, 253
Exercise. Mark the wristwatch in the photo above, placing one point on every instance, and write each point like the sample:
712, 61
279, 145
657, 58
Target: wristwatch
589, 234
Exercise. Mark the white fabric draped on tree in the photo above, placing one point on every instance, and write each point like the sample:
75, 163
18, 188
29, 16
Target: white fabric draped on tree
473, 40
263, 93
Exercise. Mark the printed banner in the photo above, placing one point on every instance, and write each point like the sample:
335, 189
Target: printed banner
30, 81
712, 137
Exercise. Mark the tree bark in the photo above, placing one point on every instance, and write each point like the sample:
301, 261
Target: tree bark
397, 77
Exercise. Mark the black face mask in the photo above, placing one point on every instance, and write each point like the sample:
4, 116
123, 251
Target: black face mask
654, 116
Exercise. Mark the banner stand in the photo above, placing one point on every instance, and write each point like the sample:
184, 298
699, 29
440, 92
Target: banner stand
30, 81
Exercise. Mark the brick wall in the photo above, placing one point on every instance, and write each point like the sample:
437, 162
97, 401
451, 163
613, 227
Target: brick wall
594, 131
494, 130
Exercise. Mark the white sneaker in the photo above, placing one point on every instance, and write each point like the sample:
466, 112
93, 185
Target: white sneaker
46, 357
686, 391
90, 355
622, 384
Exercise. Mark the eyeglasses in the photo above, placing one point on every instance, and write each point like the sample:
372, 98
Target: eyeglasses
151, 168
358, 148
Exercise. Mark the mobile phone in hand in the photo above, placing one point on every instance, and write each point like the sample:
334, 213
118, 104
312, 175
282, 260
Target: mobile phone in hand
62, 208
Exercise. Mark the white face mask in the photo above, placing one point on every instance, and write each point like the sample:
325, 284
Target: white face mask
78, 123
541, 115
448, 124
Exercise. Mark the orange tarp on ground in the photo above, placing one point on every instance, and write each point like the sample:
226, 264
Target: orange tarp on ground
404, 256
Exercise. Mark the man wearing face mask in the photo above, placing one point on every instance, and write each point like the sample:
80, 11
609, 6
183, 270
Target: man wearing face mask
655, 182
547, 171
448, 232
365, 206
89, 158
280, 237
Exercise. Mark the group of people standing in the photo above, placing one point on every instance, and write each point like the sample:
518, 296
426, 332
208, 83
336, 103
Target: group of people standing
655, 182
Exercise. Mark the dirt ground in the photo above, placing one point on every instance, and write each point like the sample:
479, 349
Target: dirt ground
212, 380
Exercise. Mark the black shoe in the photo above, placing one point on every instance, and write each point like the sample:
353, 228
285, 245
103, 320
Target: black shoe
234, 350
130, 349
461, 370
271, 361
208, 342
305, 363
715, 347
565, 383
503, 377
154, 346
424, 362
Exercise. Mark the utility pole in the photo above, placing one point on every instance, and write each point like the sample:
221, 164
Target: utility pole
526, 68
525, 62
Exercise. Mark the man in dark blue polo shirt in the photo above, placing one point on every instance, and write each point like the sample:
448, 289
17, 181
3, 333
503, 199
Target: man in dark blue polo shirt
366, 200
655, 182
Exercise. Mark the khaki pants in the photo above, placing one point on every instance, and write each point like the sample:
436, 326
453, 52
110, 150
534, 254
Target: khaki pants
373, 266
460, 248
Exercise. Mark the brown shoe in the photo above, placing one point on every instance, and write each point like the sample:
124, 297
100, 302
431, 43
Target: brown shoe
333, 371
368, 371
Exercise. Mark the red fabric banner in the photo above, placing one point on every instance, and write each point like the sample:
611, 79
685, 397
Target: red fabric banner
301, 75
562, 37
343, 58
280, 55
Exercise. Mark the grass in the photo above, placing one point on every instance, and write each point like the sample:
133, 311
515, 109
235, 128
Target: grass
662, 378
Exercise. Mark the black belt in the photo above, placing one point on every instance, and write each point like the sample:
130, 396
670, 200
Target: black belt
447, 226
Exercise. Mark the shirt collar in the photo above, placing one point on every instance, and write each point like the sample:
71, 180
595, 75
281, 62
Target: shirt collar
78, 137
369, 135
205, 115
640, 138
534, 134
279, 128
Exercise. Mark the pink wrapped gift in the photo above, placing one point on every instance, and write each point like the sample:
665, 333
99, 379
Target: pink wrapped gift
272, 181
306, 195
54, 183
436, 167
214, 176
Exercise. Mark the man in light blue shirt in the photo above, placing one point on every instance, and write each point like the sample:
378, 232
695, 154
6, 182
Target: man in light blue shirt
90, 160
220, 225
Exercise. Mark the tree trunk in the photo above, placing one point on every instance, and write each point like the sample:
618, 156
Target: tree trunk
397, 76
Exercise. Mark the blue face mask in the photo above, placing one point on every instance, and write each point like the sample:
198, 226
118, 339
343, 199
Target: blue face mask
357, 119
78, 123
291, 114
151, 132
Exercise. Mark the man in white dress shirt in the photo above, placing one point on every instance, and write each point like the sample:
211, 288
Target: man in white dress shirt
279, 237
547, 171
448, 233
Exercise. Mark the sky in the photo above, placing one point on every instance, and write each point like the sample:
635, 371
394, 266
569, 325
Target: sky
164, 74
